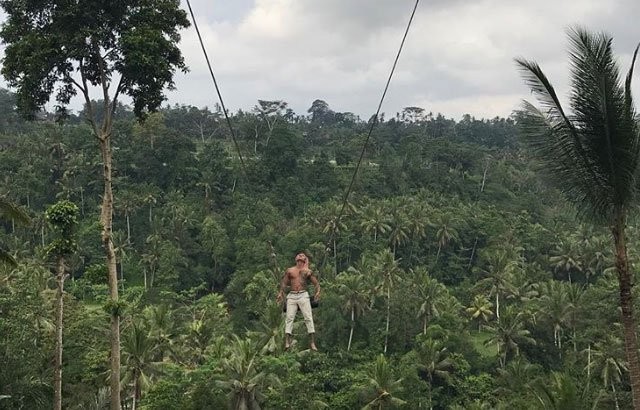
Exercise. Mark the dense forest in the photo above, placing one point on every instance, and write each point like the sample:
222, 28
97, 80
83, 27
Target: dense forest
454, 278
464, 263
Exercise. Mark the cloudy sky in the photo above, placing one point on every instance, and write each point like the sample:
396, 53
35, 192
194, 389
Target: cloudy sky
458, 57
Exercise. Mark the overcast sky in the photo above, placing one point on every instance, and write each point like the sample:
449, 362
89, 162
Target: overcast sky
458, 57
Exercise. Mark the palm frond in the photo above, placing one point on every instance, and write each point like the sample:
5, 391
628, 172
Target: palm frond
591, 155
6, 258
598, 102
10, 210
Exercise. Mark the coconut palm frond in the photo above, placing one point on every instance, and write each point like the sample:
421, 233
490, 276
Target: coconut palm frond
627, 85
561, 155
12, 211
591, 155
598, 103
6, 258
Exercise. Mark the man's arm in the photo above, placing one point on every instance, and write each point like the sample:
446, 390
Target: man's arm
316, 285
283, 286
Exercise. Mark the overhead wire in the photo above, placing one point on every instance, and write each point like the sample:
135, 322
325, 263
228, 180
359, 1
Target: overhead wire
215, 83
374, 122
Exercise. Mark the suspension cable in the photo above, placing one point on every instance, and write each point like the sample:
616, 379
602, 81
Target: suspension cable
215, 83
373, 124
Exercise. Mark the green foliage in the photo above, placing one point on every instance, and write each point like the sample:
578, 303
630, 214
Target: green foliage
141, 48
592, 157
115, 307
446, 221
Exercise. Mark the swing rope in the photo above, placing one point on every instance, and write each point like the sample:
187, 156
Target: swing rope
374, 122
215, 83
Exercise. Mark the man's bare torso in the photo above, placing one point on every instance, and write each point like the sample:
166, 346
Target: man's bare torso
297, 278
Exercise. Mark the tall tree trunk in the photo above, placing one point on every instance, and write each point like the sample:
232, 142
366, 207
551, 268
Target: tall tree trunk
473, 252
353, 322
498, 306
135, 390
128, 228
57, 376
626, 304
106, 219
386, 333
335, 259
82, 200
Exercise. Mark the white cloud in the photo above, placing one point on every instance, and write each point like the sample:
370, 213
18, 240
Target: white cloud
458, 57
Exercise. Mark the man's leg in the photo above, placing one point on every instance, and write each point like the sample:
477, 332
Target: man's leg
292, 308
305, 308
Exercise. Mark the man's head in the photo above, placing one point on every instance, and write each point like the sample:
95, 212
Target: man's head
301, 259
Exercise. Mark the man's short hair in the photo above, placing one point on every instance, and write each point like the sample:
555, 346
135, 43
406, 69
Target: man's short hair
298, 256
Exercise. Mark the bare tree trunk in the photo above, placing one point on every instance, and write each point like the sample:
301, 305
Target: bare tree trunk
57, 376
128, 228
473, 252
82, 200
335, 259
135, 390
352, 326
386, 333
626, 303
484, 177
106, 219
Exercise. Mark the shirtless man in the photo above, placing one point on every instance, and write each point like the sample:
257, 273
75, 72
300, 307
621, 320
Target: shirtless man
296, 277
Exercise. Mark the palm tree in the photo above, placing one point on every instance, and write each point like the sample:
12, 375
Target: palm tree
351, 287
509, 334
10, 210
374, 221
566, 259
127, 203
382, 386
241, 377
138, 349
398, 222
331, 221
388, 272
149, 194
562, 394
480, 310
433, 363
445, 233
575, 296
159, 321
555, 308
516, 378
432, 297
270, 330
606, 360
592, 154
417, 224
499, 273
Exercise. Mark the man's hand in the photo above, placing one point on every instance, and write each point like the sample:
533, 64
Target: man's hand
279, 297
316, 296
